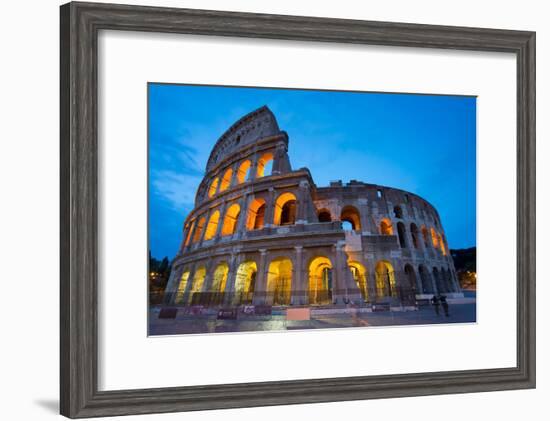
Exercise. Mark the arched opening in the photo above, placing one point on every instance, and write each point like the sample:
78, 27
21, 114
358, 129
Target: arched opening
219, 281
226, 180
439, 281
212, 226
196, 287
230, 220
279, 280
181, 287
245, 282
427, 287
402, 234
425, 236
414, 235
198, 231
285, 209
324, 215
320, 281
188, 238
265, 165
386, 227
385, 279
359, 274
256, 215
351, 214
435, 240
442, 245
213, 187
411, 278
243, 172
398, 212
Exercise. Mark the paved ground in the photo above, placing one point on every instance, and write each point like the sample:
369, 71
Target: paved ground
458, 313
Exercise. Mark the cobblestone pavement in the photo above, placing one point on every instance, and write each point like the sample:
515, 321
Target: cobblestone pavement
458, 313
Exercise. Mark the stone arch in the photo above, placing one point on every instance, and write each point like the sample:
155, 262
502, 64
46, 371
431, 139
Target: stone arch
435, 240
182, 286
212, 226
386, 227
414, 236
213, 187
398, 212
256, 214
226, 179
196, 288
425, 236
188, 237
410, 275
324, 215
442, 245
245, 282
285, 209
427, 287
219, 282
402, 234
351, 214
359, 274
279, 280
243, 173
320, 280
385, 279
265, 165
200, 227
230, 219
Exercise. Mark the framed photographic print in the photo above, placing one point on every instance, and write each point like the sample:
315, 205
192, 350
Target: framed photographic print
295, 209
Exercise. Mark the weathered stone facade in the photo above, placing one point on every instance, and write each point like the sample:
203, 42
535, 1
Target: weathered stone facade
277, 239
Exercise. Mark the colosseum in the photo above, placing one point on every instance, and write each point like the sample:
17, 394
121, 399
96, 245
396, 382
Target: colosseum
262, 233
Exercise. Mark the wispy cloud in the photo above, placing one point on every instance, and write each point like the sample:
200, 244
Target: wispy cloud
178, 189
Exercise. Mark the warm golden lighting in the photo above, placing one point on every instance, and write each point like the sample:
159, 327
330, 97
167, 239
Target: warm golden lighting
219, 280
285, 209
181, 287
256, 215
212, 226
198, 282
279, 280
188, 238
435, 240
320, 280
359, 274
226, 180
198, 231
230, 220
262, 163
245, 281
386, 227
351, 214
213, 187
243, 172
385, 278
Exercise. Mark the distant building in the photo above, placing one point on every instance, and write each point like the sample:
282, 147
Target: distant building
263, 233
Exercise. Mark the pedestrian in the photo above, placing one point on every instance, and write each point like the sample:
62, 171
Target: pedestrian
435, 303
444, 304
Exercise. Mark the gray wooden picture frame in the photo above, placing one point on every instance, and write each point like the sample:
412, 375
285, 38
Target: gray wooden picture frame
80, 24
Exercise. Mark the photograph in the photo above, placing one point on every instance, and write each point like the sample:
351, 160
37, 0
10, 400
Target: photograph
276, 209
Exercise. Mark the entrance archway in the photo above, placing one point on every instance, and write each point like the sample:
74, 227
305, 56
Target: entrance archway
359, 274
385, 279
245, 282
279, 280
320, 281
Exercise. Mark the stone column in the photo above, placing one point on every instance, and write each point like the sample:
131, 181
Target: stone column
298, 287
186, 294
260, 290
254, 168
302, 202
206, 221
231, 278
223, 207
241, 223
269, 208
341, 287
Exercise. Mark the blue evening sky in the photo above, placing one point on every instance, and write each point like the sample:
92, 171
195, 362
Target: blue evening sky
425, 144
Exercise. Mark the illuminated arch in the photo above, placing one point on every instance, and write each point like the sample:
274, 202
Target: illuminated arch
196, 287
265, 163
285, 209
435, 240
213, 187
351, 214
243, 172
230, 219
182, 286
386, 227
212, 226
226, 180
245, 282
188, 238
442, 245
219, 282
199, 229
359, 274
385, 279
425, 236
320, 280
256, 215
279, 280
